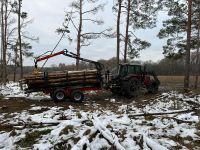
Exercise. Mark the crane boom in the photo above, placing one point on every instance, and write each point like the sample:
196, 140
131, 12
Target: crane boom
65, 52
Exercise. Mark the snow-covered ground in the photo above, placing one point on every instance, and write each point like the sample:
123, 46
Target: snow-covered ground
12, 90
168, 121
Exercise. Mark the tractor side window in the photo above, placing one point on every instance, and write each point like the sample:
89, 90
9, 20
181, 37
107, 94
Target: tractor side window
137, 69
123, 70
131, 69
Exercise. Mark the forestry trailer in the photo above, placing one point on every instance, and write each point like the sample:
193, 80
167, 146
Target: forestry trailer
72, 84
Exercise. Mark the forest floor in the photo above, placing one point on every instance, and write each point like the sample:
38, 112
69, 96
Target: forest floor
167, 120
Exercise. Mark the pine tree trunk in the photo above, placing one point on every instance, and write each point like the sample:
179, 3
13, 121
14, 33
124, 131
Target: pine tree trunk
197, 59
187, 62
19, 39
127, 30
79, 35
5, 42
118, 31
2, 41
15, 65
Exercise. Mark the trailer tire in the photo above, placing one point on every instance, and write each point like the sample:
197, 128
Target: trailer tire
77, 96
59, 95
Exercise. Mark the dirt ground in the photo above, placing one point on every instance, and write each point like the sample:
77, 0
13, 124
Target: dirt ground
102, 98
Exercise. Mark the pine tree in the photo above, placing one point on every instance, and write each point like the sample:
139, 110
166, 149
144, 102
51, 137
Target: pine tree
181, 31
81, 15
139, 15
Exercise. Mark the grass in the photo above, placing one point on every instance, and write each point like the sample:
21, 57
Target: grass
78, 114
87, 132
181, 141
175, 80
31, 138
67, 129
1, 96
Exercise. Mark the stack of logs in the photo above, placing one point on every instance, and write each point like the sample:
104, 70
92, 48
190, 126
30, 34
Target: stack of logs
44, 79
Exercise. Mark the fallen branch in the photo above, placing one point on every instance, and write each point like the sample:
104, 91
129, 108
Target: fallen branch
162, 113
112, 138
153, 145
178, 120
23, 125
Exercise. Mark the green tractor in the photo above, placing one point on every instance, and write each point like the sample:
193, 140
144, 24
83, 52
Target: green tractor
130, 78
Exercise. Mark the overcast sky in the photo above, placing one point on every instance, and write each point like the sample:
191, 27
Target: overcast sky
48, 15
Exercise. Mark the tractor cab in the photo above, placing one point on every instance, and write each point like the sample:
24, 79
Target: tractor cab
131, 78
127, 69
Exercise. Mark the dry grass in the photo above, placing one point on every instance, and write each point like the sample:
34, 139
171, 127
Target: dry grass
175, 80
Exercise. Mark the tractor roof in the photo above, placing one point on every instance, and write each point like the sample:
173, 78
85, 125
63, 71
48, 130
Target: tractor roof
131, 64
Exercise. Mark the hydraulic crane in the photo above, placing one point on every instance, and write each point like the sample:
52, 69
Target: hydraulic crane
65, 52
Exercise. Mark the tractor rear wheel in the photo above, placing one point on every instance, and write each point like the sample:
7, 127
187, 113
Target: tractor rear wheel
131, 88
152, 87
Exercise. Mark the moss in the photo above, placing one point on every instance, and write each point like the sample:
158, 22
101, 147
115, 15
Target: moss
78, 114
109, 126
92, 136
8, 116
13, 133
76, 139
198, 126
67, 129
32, 112
87, 132
6, 128
177, 147
1, 96
31, 138
62, 145
88, 123
181, 140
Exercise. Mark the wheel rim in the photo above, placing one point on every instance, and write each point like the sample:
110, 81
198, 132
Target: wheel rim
60, 95
133, 86
77, 96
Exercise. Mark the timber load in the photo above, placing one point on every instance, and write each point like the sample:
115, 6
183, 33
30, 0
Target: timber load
47, 80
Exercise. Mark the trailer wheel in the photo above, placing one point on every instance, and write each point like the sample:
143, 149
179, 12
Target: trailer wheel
77, 96
59, 95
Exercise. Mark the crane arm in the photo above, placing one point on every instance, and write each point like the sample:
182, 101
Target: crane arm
65, 52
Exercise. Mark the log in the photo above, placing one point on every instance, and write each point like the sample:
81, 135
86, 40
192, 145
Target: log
62, 74
23, 124
58, 76
49, 85
162, 113
109, 136
71, 78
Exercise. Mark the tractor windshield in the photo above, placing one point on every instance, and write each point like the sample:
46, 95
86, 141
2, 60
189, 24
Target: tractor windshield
134, 69
129, 69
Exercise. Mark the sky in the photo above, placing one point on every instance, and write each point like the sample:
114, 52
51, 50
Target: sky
48, 15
